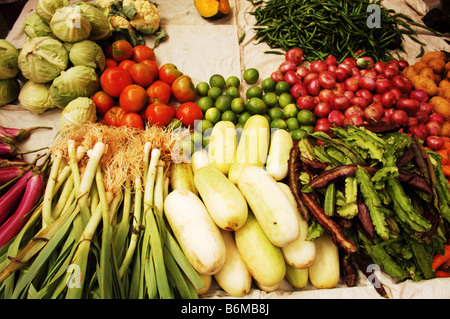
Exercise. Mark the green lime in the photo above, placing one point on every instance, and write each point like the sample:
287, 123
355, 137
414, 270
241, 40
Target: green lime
308, 128
298, 134
267, 117
197, 139
213, 114
290, 110
217, 80
187, 147
285, 99
223, 102
237, 105
229, 116
254, 91
214, 92
204, 125
243, 117
205, 102
270, 98
174, 123
232, 81
251, 75
206, 139
278, 123
282, 87
256, 106
232, 91
306, 117
275, 113
202, 88
292, 124
268, 85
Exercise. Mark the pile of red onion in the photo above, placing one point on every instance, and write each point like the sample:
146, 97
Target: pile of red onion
359, 90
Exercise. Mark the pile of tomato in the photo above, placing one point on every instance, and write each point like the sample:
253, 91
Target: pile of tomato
136, 91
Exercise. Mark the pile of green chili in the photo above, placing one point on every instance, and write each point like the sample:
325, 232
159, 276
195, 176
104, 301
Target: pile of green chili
336, 27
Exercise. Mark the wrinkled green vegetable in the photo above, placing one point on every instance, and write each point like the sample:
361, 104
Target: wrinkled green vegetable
36, 97
70, 25
399, 226
372, 202
34, 26
101, 29
42, 59
46, 8
78, 112
8, 60
87, 53
77, 81
9, 91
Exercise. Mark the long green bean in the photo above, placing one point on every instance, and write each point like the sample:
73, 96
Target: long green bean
307, 24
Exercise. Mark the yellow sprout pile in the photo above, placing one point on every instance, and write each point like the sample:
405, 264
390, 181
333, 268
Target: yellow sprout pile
124, 153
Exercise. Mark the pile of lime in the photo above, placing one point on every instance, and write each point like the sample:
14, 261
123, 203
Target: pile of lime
225, 99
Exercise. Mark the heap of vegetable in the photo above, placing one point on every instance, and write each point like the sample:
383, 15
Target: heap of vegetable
321, 28
132, 20
9, 86
99, 231
136, 90
431, 74
22, 183
382, 197
61, 58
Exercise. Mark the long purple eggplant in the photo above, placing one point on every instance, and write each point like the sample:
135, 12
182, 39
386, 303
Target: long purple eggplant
9, 173
33, 193
11, 199
18, 134
8, 150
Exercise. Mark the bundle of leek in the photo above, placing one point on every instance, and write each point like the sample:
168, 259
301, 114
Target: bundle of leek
100, 230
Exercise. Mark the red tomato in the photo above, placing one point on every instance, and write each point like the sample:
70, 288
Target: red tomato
133, 98
110, 62
103, 102
114, 115
108, 51
113, 80
141, 74
121, 50
126, 64
159, 91
188, 113
169, 72
143, 52
159, 114
153, 66
132, 120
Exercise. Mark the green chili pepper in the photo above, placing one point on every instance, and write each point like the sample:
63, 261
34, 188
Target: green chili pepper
307, 22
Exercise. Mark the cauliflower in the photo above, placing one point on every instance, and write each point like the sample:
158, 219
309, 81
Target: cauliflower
147, 17
120, 22
132, 19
